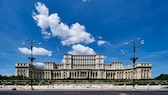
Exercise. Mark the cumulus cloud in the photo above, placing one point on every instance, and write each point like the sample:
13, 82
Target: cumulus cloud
102, 42
69, 35
36, 51
81, 50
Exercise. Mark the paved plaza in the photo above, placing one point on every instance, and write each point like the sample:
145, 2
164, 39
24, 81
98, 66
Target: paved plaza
83, 93
85, 87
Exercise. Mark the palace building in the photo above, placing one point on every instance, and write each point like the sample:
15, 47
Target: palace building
84, 67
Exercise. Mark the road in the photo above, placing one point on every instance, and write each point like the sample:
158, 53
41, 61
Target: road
83, 92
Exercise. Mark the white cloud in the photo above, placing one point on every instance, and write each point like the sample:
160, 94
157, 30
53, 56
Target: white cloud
86, 0
69, 35
81, 50
102, 42
39, 64
36, 51
123, 51
42, 20
126, 43
142, 42
100, 37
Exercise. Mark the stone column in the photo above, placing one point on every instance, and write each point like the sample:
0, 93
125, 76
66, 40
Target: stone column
79, 75
99, 74
62, 74
105, 75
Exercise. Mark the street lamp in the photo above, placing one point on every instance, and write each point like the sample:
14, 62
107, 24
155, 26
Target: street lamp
134, 58
31, 58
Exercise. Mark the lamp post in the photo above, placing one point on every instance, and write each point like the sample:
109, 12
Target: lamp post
31, 58
31, 66
134, 58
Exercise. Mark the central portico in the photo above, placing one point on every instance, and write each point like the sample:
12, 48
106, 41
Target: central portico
78, 67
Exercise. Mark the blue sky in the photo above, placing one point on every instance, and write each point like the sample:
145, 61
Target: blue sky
84, 27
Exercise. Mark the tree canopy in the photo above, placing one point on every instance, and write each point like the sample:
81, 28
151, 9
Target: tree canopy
11, 77
162, 77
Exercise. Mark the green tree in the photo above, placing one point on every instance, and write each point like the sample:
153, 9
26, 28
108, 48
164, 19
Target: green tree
162, 77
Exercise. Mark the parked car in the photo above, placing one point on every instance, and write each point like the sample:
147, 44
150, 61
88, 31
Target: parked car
14, 88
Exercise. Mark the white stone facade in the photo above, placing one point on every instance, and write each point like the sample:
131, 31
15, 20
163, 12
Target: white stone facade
84, 67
